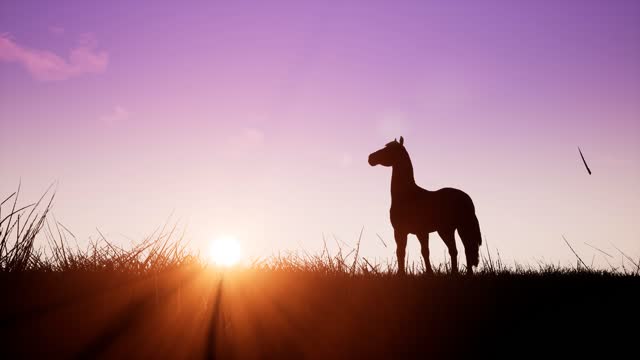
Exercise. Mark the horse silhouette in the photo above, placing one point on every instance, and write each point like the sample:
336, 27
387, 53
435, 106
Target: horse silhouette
417, 211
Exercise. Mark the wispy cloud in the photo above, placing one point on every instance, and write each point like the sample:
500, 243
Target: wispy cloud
119, 114
45, 65
392, 125
248, 138
56, 30
346, 160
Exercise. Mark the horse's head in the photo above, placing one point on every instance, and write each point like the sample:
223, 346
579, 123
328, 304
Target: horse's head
389, 155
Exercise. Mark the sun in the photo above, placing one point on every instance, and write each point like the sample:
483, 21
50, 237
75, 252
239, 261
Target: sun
225, 251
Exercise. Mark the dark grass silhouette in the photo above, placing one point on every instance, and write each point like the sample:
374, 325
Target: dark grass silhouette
157, 301
417, 211
268, 313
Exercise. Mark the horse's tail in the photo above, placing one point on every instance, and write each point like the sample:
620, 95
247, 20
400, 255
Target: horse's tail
469, 231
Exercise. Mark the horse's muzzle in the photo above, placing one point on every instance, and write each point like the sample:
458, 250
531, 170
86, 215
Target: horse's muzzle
372, 162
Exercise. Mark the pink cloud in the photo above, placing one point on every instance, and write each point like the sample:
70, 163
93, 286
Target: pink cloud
56, 30
118, 114
45, 65
346, 160
392, 125
247, 139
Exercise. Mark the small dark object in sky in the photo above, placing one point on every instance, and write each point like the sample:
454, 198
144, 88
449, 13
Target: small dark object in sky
584, 161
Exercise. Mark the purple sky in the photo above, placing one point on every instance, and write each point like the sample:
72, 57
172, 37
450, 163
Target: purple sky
255, 119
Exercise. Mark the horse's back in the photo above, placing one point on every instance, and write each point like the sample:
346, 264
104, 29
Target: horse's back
453, 195
453, 202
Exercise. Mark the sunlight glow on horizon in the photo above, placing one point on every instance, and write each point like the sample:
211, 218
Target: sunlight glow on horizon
225, 251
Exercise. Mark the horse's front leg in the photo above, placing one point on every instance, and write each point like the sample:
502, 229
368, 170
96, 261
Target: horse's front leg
424, 248
401, 244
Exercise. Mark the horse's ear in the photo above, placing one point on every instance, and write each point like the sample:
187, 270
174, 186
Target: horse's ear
401, 140
395, 140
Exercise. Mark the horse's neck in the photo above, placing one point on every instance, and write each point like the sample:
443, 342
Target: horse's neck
402, 180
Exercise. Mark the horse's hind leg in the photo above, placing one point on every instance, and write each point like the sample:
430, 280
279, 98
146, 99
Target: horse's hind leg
424, 248
449, 238
469, 266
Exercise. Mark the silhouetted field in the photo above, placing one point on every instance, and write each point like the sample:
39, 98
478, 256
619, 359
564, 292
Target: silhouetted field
156, 301
281, 314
